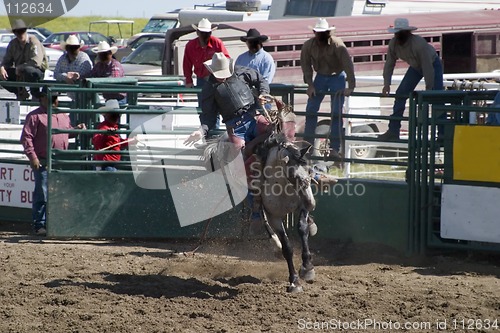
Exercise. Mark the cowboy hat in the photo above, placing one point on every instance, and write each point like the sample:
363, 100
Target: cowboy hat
18, 25
45, 91
322, 25
220, 66
104, 47
204, 26
400, 24
254, 34
111, 105
72, 40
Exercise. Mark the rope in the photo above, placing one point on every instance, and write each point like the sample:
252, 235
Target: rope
118, 144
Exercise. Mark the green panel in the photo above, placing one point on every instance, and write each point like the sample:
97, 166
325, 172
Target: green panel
15, 214
93, 205
365, 211
109, 204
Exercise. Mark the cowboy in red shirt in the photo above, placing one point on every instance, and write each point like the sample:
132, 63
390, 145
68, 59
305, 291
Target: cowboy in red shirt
110, 142
199, 50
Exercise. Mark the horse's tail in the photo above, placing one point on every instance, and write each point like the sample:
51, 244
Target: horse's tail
210, 149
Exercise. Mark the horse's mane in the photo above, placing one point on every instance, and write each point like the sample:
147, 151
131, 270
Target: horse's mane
280, 139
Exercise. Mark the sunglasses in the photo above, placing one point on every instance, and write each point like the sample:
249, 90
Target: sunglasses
72, 47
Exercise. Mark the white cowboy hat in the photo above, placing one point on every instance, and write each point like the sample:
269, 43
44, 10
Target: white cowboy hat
322, 25
72, 40
204, 26
400, 24
104, 47
220, 66
111, 105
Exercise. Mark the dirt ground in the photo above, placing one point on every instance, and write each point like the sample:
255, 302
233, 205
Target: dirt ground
119, 286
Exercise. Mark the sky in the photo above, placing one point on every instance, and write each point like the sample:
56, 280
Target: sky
127, 8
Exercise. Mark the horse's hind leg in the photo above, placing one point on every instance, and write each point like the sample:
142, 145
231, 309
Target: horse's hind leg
306, 269
287, 251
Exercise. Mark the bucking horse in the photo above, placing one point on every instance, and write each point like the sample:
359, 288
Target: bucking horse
285, 186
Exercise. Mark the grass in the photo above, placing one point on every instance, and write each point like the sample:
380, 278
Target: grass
70, 23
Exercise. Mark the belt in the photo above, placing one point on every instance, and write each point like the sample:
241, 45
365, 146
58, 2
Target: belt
331, 74
238, 120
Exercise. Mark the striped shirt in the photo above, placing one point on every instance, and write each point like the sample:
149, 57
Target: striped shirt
111, 69
82, 65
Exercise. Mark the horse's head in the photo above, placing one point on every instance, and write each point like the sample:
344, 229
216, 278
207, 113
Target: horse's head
291, 171
291, 157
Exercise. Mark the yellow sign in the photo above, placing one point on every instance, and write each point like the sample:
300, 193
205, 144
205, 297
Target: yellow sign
476, 153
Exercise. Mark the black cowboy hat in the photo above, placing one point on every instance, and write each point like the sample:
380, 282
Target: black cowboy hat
254, 34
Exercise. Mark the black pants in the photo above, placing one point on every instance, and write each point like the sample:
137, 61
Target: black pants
29, 74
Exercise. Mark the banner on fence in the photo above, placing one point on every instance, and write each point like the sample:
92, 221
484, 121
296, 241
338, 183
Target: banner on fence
16, 185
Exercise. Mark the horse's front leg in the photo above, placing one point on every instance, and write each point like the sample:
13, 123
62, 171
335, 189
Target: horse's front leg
307, 268
287, 251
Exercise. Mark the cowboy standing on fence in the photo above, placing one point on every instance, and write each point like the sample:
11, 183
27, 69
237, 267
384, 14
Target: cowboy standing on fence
327, 55
424, 62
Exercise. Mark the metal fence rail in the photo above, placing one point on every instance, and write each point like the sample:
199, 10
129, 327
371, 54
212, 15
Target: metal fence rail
426, 177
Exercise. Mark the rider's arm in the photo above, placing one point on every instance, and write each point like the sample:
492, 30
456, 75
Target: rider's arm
253, 79
390, 62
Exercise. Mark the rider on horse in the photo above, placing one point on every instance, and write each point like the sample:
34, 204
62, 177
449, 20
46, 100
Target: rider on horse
228, 92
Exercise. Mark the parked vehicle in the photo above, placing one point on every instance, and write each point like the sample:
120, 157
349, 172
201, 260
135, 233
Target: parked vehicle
53, 55
44, 31
90, 39
134, 42
146, 59
119, 39
162, 22
7, 35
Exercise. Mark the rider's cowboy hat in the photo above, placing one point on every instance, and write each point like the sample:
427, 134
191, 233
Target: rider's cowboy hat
220, 66
254, 34
322, 25
111, 105
104, 47
204, 26
18, 25
72, 40
401, 24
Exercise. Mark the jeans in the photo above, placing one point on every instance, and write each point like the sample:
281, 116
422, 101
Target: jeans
199, 84
330, 83
106, 168
39, 197
244, 132
494, 117
409, 83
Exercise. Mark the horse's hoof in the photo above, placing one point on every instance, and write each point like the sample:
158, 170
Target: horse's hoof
313, 229
294, 289
307, 275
